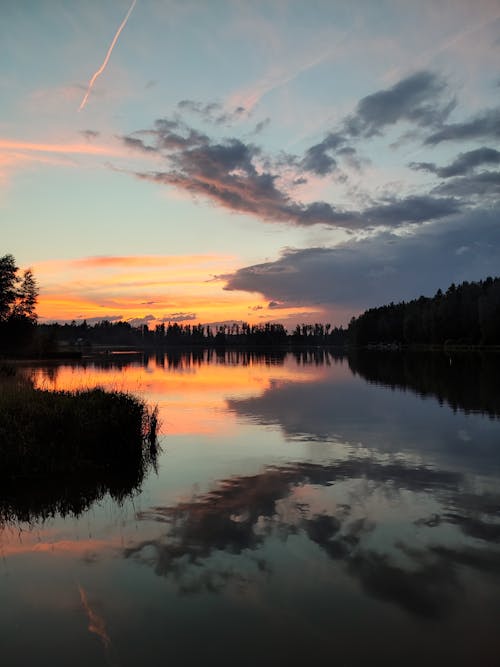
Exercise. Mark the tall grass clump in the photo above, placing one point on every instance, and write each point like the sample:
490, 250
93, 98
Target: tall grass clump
60, 450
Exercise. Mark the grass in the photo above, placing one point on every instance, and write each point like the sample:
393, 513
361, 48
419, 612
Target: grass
61, 450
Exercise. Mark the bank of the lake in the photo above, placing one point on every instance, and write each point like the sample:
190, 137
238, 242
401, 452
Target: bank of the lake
45, 433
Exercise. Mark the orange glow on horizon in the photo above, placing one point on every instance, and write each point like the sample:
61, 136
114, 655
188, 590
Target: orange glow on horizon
152, 288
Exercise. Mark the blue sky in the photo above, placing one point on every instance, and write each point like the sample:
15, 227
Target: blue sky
314, 156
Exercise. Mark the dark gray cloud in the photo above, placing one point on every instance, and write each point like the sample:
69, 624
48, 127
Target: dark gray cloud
179, 317
92, 320
411, 209
463, 164
140, 321
421, 99
225, 172
261, 126
486, 184
138, 144
213, 112
90, 134
383, 268
318, 158
236, 175
485, 125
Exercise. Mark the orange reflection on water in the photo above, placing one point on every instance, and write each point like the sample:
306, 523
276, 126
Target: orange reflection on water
191, 395
97, 625
12, 545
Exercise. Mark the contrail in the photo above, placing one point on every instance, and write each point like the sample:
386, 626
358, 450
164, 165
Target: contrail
108, 54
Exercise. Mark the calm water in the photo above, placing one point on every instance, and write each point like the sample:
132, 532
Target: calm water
304, 507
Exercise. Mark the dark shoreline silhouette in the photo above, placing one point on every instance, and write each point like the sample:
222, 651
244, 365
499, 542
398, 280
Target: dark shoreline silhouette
60, 451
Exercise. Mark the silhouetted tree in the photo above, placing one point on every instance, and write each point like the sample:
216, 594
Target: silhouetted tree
8, 286
27, 296
18, 297
466, 314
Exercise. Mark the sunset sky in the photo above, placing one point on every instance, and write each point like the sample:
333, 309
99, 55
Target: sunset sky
260, 161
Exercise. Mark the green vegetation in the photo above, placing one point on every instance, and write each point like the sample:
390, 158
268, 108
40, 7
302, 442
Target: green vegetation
60, 451
175, 335
45, 432
465, 315
18, 297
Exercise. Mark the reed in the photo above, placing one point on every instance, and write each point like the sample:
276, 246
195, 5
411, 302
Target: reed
45, 433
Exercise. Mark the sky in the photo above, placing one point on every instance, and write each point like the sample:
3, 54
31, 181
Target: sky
245, 160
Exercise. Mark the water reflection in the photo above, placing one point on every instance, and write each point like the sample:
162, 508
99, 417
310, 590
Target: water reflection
417, 573
350, 410
35, 500
306, 506
468, 381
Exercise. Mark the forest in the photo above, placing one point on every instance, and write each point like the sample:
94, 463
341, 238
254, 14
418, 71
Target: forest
467, 314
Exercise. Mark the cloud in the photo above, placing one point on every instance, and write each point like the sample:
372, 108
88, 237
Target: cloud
238, 176
485, 184
261, 125
179, 317
101, 318
485, 125
139, 321
383, 268
227, 172
128, 261
90, 134
87, 148
138, 144
212, 112
418, 99
463, 163
317, 158
411, 209
421, 99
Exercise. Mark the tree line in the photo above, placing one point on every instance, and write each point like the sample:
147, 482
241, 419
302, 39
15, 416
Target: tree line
188, 335
467, 314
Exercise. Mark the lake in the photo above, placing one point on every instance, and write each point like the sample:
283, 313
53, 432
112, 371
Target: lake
303, 507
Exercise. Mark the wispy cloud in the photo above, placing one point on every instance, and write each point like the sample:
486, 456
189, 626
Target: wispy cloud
484, 125
165, 261
67, 148
143, 289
